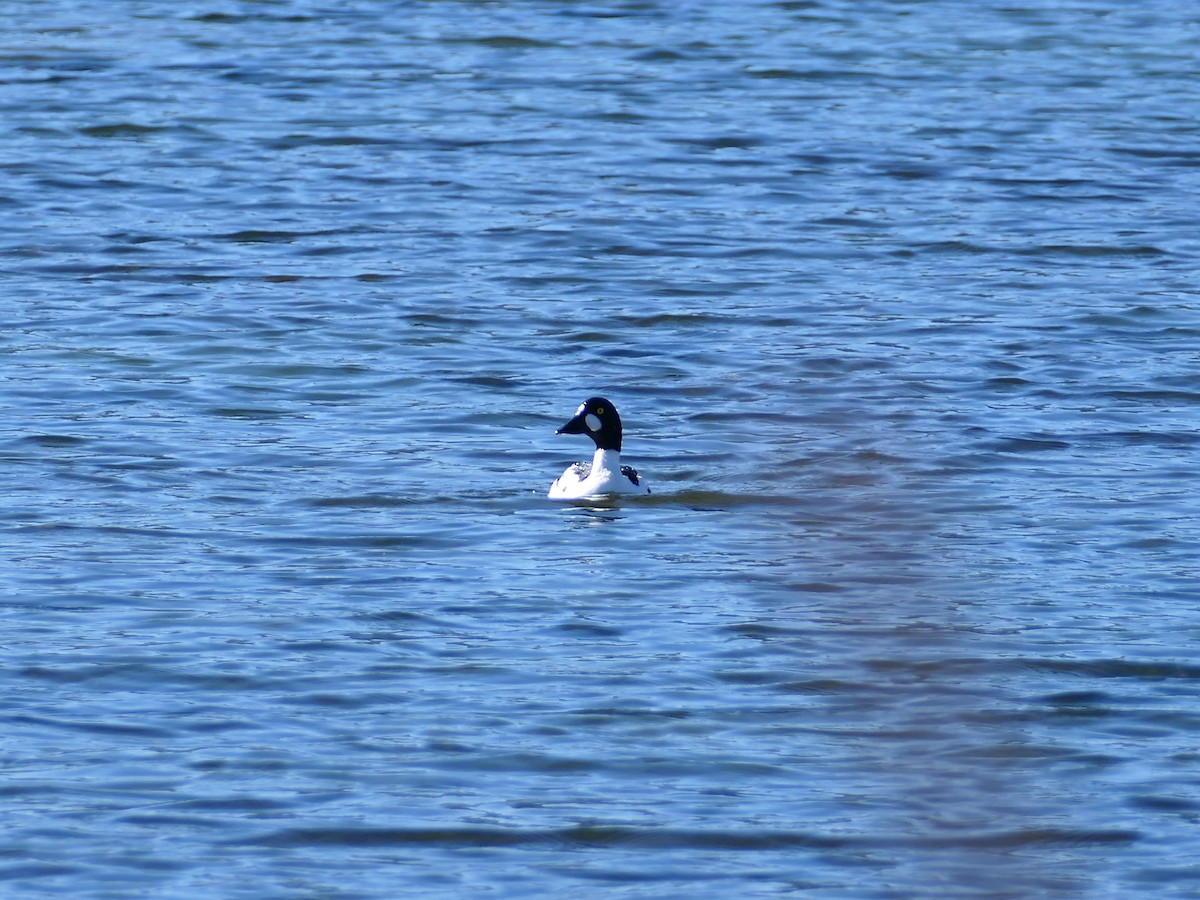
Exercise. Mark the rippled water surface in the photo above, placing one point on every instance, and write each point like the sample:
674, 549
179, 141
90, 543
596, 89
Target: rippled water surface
898, 301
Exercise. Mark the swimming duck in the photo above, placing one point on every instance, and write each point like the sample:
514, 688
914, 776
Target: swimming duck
598, 419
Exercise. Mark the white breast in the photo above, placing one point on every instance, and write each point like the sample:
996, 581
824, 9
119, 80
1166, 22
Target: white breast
602, 476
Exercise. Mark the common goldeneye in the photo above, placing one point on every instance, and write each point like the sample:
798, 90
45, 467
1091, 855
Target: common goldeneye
598, 419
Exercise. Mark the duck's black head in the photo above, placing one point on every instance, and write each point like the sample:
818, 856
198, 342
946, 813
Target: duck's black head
598, 419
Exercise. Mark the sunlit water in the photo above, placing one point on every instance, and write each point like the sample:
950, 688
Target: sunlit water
898, 302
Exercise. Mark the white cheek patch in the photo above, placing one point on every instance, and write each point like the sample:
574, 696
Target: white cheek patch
592, 422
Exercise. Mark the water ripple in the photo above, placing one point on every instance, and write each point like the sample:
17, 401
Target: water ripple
899, 318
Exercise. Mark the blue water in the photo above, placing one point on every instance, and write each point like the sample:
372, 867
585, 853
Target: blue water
897, 301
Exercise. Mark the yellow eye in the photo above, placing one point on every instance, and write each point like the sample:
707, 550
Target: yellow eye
599, 410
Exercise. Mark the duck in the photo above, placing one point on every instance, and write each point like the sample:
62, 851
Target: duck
598, 419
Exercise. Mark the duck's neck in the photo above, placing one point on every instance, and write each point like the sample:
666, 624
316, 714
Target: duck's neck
606, 461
